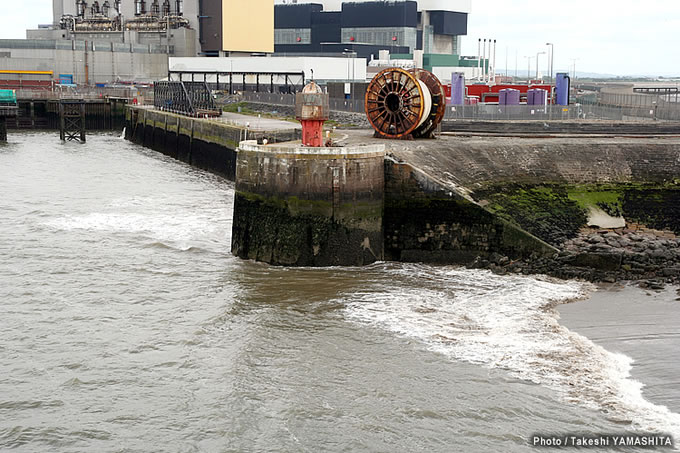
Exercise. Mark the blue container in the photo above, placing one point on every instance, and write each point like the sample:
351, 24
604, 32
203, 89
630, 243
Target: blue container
66, 79
457, 88
562, 85
508, 96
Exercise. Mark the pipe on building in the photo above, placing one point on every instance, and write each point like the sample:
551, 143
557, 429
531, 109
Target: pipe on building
479, 60
484, 62
494, 63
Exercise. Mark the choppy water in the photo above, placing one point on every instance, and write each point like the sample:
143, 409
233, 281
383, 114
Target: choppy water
128, 326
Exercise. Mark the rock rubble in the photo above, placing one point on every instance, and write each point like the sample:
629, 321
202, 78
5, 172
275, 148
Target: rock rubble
649, 257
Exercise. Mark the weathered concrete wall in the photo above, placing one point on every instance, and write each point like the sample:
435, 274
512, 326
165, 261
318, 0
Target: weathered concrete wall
450, 200
519, 127
549, 185
206, 144
99, 64
479, 162
304, 206
425, 221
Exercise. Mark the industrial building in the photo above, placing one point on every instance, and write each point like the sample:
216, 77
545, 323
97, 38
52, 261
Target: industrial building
186, 27
113, 41
434, 27
268, 72
168, 24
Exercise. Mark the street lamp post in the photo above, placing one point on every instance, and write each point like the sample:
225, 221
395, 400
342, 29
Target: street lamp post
573, 61
528, 68
552, 53
537, 54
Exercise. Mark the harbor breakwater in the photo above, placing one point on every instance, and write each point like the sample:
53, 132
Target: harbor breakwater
511, 204
610, 204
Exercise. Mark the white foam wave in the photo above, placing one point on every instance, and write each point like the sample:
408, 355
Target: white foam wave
166, 228
509, 323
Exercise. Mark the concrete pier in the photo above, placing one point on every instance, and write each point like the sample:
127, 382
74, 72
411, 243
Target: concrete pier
6, 112
209, 144
307, 206
451, 200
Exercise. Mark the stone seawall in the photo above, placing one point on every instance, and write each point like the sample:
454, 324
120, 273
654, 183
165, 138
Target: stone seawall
551, 187
493, 200
590, 197
303, 206
203, 143
428, 222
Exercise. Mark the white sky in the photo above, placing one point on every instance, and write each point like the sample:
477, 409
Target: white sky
622, 37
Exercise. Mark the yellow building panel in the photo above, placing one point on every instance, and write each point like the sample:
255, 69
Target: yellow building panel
12, 71
248, 25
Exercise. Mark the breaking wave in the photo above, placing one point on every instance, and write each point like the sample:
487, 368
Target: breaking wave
160, 225
509, 322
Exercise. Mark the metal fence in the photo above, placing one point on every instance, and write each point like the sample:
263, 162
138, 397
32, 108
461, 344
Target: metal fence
532, 112
341, 105
659, 110
88, 93
638, 99
186, 98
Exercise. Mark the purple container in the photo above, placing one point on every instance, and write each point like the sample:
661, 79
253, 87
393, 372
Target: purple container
537, 96
457, 88
562, 85
508, 96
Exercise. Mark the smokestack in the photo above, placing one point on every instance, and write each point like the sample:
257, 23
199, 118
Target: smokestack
484, 62
494, 61
479, 59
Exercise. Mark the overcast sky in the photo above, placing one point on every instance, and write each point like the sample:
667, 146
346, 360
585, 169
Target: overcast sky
622, 37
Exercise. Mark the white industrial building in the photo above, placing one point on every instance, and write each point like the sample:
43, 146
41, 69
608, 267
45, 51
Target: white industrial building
322, 69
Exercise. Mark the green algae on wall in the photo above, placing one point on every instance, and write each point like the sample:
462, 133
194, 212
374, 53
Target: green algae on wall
544, 211
425, 221
556, 212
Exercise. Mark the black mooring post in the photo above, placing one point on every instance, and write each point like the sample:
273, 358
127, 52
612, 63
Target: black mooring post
3, 129
62, 123
82, 122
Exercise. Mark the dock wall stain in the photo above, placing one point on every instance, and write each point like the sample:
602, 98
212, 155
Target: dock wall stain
317, 209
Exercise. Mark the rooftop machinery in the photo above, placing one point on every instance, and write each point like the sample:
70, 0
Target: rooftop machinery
107, 16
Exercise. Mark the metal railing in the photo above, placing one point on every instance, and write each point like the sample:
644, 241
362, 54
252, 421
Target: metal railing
531, 112
186, 98
341, 105
660, 109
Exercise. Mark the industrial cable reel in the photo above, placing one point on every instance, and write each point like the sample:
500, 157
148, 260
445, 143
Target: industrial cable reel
405, 104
